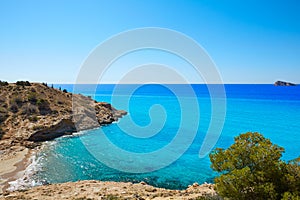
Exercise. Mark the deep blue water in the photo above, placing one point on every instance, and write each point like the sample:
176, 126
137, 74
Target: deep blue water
272, 111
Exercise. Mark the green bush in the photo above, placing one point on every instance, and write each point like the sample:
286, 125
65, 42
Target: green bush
3, 83
23, 83
43, 106
3, 114
29, 109
42, 103
2, 99
14, 108
251, 168
1, 132
38, 127
17, 99
32, 97
33, 118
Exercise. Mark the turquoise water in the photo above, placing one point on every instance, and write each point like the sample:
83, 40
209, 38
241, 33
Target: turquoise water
272, 111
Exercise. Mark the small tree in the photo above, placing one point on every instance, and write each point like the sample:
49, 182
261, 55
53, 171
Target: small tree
3, 83
291, 179
251, 169
23, 83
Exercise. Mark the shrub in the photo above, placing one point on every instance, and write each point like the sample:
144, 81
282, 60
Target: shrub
43, 106
292, 179
65, 91
2, 99
33, 118
38, 127
251, 169
1, 132
3, 83
3, 117
23, 83
3, 114
18, 100
14, 108
29, 109
32, 97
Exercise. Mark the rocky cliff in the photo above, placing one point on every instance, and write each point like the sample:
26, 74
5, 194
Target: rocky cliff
33, 112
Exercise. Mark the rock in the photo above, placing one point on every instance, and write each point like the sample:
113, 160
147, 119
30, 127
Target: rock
44, 113
195, 184
143, 183
150, 189
106, 190
64, 127
282, 83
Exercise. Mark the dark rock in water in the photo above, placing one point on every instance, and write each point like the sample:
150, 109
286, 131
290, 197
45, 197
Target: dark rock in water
282, 83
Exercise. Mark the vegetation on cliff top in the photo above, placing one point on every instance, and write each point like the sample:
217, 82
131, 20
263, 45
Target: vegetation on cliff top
252, 168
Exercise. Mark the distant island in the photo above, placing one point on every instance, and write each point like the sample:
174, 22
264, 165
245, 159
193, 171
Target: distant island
283, 83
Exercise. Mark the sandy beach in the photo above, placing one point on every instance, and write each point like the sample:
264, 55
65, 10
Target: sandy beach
12, 163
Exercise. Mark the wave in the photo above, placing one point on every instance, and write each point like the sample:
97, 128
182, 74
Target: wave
27, 179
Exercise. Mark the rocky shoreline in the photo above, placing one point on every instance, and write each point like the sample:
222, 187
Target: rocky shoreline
31, 113
93, 190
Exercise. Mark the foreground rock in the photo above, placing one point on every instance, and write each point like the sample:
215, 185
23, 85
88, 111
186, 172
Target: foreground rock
109, 190
282, 83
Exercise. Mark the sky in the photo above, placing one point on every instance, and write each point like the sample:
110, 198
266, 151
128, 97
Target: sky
251, 41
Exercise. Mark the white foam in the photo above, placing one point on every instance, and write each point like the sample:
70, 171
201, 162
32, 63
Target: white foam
25, 181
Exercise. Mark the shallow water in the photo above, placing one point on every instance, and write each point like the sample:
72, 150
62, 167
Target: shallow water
272, 111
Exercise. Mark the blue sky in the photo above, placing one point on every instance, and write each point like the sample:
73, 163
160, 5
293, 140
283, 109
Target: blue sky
250, 41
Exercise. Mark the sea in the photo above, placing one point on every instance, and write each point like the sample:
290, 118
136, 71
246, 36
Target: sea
136, 148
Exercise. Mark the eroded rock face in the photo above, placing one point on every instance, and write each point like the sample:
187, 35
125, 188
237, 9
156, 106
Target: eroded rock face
282, 83
103, 114
64, 127
106, 114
